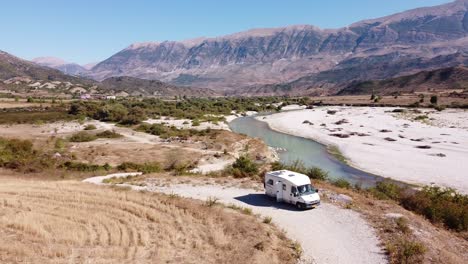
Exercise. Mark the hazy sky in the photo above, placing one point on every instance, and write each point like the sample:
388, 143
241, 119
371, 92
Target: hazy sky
92, 30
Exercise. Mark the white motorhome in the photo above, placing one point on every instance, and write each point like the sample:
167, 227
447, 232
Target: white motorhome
291, 187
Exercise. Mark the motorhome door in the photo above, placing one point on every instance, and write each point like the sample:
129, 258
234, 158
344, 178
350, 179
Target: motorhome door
279, 191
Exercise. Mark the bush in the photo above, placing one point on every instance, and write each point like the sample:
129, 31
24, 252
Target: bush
244, 167
82, 137
439, 108
387, 190
440, 206
195, 123
434, 99
406, 251
342, 183
20, 155
83, 167
145, 168
299, 167
109, 134
421, 117
90, 127
59, 144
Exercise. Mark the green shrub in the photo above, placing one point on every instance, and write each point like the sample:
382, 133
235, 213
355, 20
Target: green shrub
20, 155
406, 251
421, 117
299, 167
387, 190
108, 134
341, 183
440, 205
145, 167
244, 167
440, 108
195, 123
82, 137
267, 220
434, 99
90, 127
82, 167
60, 144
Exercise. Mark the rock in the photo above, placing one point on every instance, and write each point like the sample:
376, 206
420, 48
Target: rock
340, 135
390, 139
424, 147
393, 215
385, 131
331, 112
342, 121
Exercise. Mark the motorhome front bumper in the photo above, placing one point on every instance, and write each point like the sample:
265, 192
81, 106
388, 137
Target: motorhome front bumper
312, 204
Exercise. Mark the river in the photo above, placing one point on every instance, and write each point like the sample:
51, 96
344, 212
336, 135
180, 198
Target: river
311, 153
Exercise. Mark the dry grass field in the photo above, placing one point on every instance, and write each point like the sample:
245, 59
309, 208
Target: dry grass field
72, 222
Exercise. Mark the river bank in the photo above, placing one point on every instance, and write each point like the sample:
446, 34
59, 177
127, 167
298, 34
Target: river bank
421, 147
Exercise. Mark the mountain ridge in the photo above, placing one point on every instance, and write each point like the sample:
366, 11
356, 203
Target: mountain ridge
280, 55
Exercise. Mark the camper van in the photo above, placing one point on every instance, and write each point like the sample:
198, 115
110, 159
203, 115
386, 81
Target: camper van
291, 187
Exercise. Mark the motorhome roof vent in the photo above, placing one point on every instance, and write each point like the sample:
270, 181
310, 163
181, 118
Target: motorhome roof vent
291, 175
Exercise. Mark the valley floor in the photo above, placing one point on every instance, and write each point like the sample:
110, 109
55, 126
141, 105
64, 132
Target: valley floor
416, 146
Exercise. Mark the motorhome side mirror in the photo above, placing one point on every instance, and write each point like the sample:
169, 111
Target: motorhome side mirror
296, 194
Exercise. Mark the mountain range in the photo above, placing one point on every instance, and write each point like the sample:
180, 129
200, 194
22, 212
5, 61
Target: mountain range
303, 58
293, 60
21, 77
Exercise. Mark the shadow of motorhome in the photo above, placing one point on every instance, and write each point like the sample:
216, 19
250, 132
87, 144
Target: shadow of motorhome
262, 200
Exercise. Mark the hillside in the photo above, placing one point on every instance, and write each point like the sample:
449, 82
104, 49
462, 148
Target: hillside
61, 65
11, 67
391, 46
141, 87
442, 79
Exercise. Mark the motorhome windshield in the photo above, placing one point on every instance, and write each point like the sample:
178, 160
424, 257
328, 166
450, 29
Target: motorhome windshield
306, 189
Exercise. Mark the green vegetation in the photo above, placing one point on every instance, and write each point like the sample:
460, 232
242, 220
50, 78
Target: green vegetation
440, 205
90, 127
335, 152
131, 112
20, 155
84, 167
108, 134
298, 166
145, 168
434, 99
421, 117
165, 132
405, 251
341, 183
267, 220
33, 116
243, 167
82, 137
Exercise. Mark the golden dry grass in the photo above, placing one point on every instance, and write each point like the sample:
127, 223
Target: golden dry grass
72, 222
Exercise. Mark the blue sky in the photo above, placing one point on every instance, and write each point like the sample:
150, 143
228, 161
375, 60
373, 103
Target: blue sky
92, 30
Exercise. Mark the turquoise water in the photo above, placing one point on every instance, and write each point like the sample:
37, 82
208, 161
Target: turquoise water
306, 150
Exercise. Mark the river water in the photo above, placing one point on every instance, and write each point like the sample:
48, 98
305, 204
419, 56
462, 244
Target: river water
298, 148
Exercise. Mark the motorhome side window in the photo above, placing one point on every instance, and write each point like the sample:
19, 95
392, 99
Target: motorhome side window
293, 189
270, 182
284, 187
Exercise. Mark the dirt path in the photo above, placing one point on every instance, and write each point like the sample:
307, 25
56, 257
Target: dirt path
328, 234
